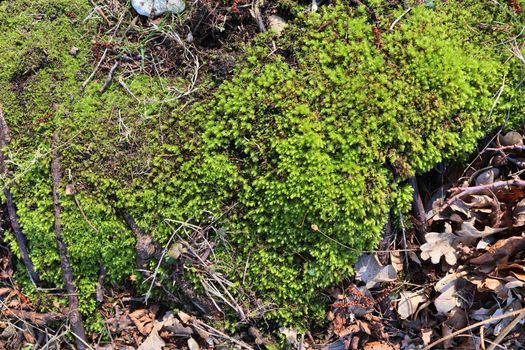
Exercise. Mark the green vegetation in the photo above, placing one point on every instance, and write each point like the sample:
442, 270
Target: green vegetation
298, 159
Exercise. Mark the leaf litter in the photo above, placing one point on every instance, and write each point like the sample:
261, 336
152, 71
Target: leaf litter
466, 266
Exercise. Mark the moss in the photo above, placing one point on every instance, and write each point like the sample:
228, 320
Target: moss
298, 159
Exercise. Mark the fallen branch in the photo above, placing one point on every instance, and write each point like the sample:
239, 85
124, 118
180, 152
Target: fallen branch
92, 75
460, 192
39, 319
67, 272
507, 148
256, 14
11, 209
417, 203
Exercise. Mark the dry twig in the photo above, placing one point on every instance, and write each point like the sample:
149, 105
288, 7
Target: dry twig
11, 209
475, 325
67, 272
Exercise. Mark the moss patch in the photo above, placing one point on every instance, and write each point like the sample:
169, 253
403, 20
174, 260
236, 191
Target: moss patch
298, 159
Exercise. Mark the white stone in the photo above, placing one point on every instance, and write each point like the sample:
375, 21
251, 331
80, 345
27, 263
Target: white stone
153, 8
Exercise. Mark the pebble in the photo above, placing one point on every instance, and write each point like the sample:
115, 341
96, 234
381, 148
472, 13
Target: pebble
154, 8
277, 24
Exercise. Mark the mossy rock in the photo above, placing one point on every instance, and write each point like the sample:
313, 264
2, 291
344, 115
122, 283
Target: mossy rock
298, 159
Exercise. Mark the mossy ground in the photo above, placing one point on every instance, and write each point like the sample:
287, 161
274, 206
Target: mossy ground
317, 129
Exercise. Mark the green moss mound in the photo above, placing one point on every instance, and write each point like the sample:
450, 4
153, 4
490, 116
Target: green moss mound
298, 159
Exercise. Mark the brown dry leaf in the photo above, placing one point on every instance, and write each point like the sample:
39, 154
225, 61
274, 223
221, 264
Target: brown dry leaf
143, 320
409, 303
479, 201
378, 345
426, 335
396, 259
457, 318
152, 342
439, 244
469, 234
500, 251
290, 334
369, 270
184, 317
448, 298
519, 213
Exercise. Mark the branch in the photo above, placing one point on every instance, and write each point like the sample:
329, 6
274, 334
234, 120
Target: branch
475, 325
460, 192
417, 203
36, 318
67, 272
109, 77
507, 148
11, 209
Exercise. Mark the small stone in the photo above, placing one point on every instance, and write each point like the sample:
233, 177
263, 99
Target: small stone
487, 177
277, 24
154, 8
73, 51
512, 138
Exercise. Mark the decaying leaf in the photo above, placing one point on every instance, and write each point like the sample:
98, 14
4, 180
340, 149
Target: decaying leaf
369, 270
439, 244
519, 213
409, 303
426, 335
501, 251
193, 345
448, 298
470, 234
152, 342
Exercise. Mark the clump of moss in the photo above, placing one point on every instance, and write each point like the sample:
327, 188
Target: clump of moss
298, 159
319, 138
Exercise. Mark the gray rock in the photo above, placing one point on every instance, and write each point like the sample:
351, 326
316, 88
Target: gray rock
153, 8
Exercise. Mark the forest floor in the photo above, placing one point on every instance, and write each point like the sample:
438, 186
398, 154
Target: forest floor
437, 280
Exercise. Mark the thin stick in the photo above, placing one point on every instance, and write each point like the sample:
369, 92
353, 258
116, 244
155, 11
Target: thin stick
77, 325
508, 148
109, 77
460, 192
475, 325
417, 203
11, 209
506, 331
256, 14
86, 82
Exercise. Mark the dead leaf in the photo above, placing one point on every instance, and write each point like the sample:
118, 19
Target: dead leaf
519, 213
409, 303
370, 271
152, 342
500, 252
457, 318
448, 299
397, 260
439, 244
143, 320
193, 345
426, 335
378, 345
470, 234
